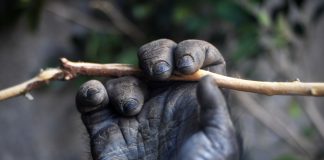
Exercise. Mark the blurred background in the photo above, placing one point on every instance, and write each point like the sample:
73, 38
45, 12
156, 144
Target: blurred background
268, 40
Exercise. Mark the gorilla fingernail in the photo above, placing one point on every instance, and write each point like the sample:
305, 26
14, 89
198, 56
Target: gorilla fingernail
90, 96
93, 96
160, 68
185, 63
130, 107
91, 93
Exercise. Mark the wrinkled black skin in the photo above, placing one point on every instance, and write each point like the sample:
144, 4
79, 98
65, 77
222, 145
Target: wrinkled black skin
160, 119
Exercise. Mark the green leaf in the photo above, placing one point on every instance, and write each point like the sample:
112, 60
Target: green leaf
264, 18
281, 34
294, 109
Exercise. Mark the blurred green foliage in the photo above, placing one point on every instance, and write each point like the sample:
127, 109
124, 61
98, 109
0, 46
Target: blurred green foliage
11, 11
214, 21
294, 109
309, 132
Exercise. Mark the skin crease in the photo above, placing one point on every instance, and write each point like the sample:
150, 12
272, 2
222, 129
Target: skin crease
129, 118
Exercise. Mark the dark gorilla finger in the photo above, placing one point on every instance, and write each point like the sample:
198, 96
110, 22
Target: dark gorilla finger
91, 101
156, 58
215, 119
91, 96
217, 138
100, 120
214, 111
191, 55
127, 95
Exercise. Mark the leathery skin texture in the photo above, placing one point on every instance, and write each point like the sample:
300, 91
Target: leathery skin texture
131, 118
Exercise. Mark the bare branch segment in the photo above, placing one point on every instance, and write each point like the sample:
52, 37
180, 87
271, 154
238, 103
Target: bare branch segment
69, 70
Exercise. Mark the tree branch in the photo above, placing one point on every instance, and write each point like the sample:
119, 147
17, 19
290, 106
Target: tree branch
42, 78
70, 70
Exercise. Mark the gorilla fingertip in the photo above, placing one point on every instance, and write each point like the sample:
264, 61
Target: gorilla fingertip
185, 64
131, 107
161, 70
91, 96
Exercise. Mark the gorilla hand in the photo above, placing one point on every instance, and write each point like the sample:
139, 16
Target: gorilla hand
129, 118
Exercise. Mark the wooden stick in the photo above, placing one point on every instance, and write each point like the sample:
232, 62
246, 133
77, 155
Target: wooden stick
70, 70
42, 78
